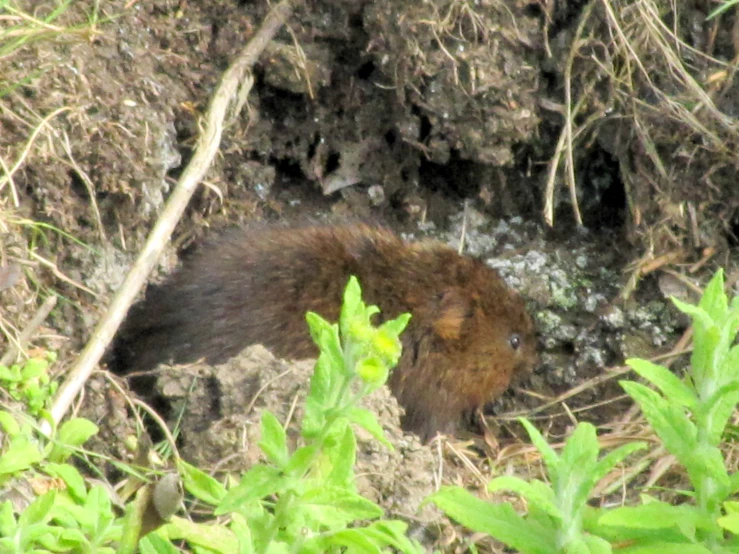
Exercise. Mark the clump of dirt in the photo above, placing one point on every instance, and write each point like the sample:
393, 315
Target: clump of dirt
464, 75
217, 410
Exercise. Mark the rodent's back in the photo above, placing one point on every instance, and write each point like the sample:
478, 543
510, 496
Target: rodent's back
255, 286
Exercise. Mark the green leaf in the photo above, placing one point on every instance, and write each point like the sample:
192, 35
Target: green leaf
71, 477
342, 459
535, 492
714, 300
730, 522
201, 485
551, 460
671, 386
392, 533
153, 543
9, 424
326, 337
707, 337
71, 434
668, 420
216, 538
597, 545
76, 431
335, 507
33, 368
314, 416
274, 440
318, 327
258, 482
20, 455
368, 421
718, 410
355, 540
98, 503
654, 547
397, 326
7, 519
301, 460
577, 462
655, 515
497, 520
10, 375
698, 314
352, 302
240, 528
610, 460
38, 511
708, 462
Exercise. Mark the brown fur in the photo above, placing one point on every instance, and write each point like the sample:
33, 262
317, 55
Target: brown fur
255, 286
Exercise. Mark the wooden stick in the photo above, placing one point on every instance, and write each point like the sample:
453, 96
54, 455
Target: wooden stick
230, 92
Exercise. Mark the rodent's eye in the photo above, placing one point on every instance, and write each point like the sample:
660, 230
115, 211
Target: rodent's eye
515, 341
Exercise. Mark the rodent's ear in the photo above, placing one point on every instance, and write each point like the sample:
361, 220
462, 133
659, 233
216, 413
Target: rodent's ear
451, 311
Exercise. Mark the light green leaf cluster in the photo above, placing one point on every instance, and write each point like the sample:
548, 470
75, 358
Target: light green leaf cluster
68, 518
690, 417
30, 383
556, 511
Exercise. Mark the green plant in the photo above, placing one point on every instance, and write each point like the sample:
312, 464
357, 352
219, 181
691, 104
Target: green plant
69, 520
305, 500
30, 383
556, 511
690, 417
68, 517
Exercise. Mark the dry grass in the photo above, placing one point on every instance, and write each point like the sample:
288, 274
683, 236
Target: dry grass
662, 106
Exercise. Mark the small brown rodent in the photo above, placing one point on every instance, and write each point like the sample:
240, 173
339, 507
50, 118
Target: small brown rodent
468, 336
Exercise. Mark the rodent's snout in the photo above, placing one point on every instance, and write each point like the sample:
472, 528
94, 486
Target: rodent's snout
527, 356
529, 364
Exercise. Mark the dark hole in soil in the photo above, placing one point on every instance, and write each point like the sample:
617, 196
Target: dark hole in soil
313, 145
550, 82
214, 392
183, 132
390, 137
457, 178
332, 163
568, 347
287, 168
601, 191
533, 10
77, 185
732, 232
355, 21
425, 129
144, 386
565, 16
366, 70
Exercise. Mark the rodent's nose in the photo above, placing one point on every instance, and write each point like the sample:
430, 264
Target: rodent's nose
529, 363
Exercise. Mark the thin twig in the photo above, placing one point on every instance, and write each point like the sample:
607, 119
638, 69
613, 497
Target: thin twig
205, 151
41, 314
19, 162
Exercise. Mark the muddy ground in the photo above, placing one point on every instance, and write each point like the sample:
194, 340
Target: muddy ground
439, 118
